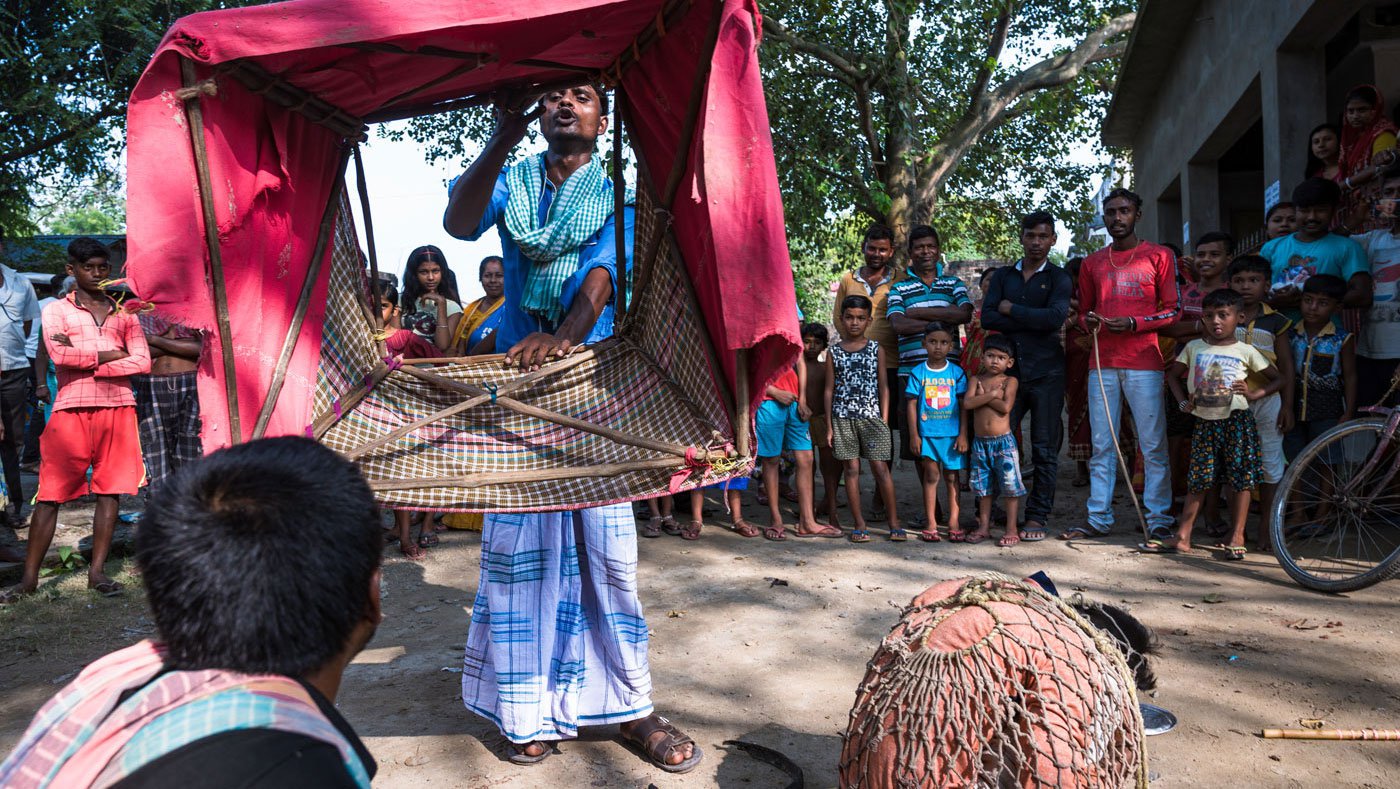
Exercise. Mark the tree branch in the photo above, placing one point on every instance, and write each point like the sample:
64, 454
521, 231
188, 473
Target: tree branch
85, 125
865, 200
992, 109
996, 42
867, 126
775, 30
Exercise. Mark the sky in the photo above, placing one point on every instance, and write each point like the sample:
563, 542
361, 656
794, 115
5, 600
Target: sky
407, 197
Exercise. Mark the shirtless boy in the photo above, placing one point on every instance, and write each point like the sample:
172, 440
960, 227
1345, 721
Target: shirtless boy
996, 463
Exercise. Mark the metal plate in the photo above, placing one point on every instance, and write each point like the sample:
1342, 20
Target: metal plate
1156, 720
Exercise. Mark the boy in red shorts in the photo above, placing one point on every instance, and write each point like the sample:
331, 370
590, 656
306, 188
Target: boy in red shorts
95, 348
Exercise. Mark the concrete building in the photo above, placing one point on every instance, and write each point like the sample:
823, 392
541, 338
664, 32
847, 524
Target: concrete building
1216, 98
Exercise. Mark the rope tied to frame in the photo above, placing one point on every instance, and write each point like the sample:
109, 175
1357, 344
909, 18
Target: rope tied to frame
206, 87
720, 462
491, 387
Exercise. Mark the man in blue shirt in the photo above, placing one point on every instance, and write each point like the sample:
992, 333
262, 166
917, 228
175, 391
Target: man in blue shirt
1028, 302
557, 638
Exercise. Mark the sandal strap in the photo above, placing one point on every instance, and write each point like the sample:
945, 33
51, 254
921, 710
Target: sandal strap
674, 739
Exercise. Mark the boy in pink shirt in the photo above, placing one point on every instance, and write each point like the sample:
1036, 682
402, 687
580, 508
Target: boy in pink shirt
95, 348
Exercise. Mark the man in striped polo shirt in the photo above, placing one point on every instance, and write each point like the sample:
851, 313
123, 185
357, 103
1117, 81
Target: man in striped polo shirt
925, 294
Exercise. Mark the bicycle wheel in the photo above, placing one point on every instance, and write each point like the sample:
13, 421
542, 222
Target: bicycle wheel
1336, 522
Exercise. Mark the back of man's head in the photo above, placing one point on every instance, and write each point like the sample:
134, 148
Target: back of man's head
259, 558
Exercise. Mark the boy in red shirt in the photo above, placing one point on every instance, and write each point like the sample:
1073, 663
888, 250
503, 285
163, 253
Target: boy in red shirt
781, 424
1127, 293
95, 348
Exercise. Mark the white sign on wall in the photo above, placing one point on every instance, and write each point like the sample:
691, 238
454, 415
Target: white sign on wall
1186, 234
1271, 196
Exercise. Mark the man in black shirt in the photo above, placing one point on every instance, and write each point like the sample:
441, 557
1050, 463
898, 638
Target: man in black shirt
1029, 302
261, 601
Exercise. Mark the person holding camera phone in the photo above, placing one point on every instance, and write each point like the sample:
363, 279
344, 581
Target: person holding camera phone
431, 307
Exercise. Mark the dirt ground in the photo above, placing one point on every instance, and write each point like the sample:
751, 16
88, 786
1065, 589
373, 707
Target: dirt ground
736, 656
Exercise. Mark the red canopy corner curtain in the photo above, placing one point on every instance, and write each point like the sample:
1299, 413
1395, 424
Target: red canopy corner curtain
239, 135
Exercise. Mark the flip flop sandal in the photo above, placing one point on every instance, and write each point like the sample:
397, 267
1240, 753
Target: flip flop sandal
691, 531
12, 595
743, 528
824, 531
1033, 533
1008, 541
1156, 546
428, 540
930, 535
651, 528
898, 535
859, 535
656, 754
669, 525
975, 538
1235, 553
775, 533
519, 756
1077, 533
957, 535
109, 589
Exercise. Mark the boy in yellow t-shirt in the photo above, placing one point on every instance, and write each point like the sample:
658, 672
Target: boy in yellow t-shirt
1224, 439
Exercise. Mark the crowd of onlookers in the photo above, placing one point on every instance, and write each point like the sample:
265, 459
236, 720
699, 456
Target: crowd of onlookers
1229, 361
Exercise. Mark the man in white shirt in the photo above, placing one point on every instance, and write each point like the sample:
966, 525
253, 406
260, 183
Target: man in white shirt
19, 308
30, 455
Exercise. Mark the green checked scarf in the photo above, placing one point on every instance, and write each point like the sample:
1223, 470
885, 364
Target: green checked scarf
579, 209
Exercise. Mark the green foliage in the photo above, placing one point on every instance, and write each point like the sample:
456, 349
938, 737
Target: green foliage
851, 84
68, 561
66, 70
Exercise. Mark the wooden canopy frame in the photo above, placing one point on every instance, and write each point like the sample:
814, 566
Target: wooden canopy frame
352, 131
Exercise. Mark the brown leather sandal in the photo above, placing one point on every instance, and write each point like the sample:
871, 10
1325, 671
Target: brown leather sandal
657, 752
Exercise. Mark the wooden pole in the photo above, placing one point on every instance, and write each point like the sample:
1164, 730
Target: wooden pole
741, 402
313, 274
195, 116
1332, 734
464, 405
369, 242
624, 277
321, 424
558, 419
533, 475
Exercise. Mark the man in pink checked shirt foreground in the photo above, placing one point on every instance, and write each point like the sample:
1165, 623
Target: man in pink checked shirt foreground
95, 348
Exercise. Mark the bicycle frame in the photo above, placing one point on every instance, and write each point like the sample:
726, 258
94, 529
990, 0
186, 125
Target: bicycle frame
1388, 433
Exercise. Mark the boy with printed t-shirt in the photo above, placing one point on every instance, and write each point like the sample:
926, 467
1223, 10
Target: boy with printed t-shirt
934, 393
1314, 249
1224, 440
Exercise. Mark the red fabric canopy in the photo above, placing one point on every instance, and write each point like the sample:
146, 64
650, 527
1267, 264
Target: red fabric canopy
272, 169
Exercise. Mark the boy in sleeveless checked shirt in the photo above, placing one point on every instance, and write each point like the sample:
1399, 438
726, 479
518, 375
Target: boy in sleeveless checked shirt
858, 403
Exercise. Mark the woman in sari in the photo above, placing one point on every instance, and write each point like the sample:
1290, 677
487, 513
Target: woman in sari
476, 334
1324, 153
1367, 146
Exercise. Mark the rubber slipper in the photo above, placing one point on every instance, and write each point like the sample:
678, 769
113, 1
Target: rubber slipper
744, 529
1078, 533
898, 535
1153, 546
826, 531
1235, 553
859, 535
957, 535
930, 535
108, 589
975, 538
1033, 533
651, 528
428, 540
691, 531
669, 525
775, 533
518, 755
1008, 541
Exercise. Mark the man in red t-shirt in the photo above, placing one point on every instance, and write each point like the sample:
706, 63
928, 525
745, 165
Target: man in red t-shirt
1127, 293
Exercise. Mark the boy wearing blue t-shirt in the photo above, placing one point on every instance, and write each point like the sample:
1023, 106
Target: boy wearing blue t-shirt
1314, 249
934, 392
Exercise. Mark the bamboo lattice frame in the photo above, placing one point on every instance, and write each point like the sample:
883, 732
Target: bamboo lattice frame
611, 422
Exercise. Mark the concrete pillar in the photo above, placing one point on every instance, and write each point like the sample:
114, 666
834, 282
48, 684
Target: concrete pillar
1200, 201
1293, 85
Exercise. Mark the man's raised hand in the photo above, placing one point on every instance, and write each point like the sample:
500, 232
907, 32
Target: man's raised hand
514, 114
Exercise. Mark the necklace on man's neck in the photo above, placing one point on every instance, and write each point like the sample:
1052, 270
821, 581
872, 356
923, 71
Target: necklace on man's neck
1131, 257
